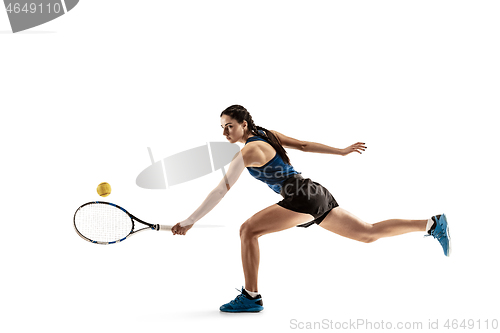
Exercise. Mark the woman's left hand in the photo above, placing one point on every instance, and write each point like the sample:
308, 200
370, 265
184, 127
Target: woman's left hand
357, 147
178, 230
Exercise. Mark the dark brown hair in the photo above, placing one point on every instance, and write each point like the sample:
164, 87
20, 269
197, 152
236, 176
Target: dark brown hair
240, 114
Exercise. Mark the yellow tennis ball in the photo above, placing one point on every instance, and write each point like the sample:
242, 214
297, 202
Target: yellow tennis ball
104, 189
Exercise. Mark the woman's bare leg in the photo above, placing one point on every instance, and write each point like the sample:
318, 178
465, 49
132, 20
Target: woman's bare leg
271, 219
346, 224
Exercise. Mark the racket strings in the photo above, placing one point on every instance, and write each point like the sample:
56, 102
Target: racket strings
103, 222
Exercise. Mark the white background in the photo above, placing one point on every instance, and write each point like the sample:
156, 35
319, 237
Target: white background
83, 96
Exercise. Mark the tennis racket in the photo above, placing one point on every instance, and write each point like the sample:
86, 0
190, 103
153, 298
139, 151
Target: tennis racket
105, 223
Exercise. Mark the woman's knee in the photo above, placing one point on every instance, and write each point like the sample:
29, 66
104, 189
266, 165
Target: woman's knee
368, 235
247, 230
348, 225
369, 238
365, 234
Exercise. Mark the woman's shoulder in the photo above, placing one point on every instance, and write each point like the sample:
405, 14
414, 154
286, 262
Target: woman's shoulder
257, 153
251, 148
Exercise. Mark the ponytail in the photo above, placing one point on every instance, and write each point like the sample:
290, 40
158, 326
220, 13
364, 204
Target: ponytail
240, 114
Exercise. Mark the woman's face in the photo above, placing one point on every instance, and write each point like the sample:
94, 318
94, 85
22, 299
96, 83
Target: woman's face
232, 130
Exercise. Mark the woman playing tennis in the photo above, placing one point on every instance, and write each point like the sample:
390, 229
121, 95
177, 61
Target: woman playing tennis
304, 202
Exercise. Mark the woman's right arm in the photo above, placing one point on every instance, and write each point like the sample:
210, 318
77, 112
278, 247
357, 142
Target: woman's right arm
215, 196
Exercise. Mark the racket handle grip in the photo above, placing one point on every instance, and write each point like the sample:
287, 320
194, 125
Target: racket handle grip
164, 227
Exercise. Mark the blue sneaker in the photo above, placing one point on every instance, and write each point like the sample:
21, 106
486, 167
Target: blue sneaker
244, 303
441, 232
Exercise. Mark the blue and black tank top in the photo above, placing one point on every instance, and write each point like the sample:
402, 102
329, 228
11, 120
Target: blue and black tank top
273, 173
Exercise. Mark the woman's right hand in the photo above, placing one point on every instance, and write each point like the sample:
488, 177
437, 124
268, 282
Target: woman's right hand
178, 230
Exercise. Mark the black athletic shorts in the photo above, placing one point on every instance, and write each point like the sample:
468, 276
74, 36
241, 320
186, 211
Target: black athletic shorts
302, 195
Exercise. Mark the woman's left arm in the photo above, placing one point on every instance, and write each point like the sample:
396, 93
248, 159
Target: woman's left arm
314, 147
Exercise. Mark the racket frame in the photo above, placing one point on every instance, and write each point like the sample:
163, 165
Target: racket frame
156, 227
